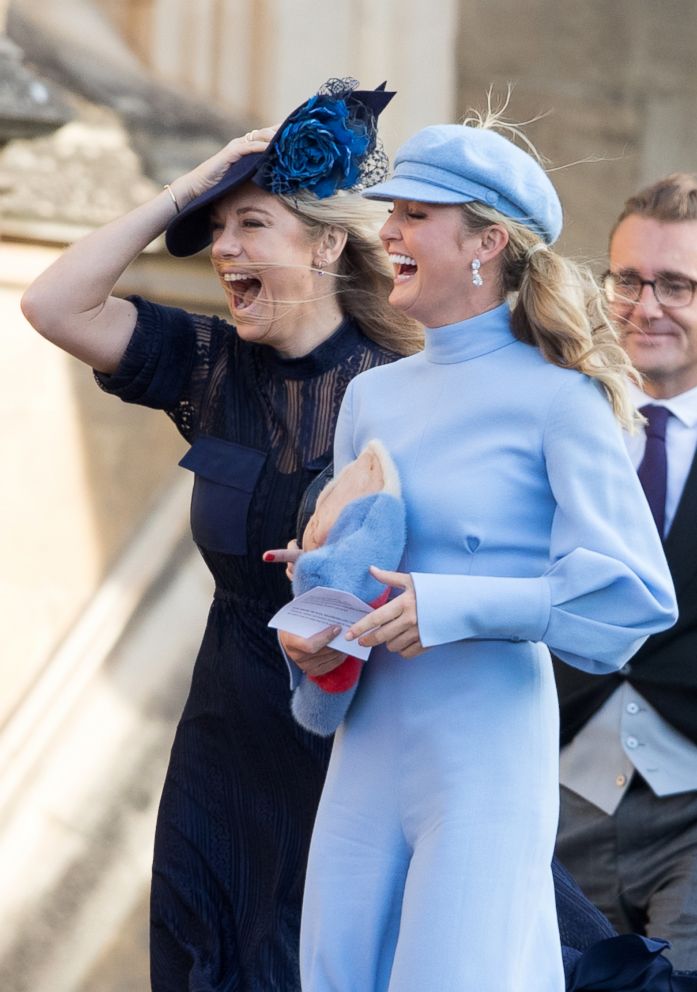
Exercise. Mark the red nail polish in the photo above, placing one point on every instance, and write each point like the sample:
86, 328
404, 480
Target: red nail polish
269, 557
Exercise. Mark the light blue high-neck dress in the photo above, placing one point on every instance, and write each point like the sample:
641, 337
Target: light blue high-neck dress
527, 530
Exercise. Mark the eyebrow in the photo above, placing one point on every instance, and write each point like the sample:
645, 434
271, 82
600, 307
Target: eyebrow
245, 210
661, 274
255, 210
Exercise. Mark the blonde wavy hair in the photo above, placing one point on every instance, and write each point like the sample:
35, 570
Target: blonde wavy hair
557, 305
365, 276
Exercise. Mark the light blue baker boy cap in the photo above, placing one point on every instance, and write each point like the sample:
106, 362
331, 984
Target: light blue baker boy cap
455, 163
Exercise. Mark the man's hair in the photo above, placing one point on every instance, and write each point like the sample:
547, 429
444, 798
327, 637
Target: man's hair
670, 200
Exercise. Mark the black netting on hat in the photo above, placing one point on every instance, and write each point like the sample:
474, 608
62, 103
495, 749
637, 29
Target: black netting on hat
375, 165
338, 86
330, 143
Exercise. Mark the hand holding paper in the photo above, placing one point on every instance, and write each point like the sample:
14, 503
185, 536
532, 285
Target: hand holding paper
320, 608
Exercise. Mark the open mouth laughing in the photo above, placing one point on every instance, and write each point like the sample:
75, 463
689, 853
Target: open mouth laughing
404, 267
243, 287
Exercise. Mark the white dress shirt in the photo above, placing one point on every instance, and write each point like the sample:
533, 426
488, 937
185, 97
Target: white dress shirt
626, 733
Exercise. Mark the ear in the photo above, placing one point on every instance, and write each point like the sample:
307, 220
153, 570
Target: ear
331, 244
493, 241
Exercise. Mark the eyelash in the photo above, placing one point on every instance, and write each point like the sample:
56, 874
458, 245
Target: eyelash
248, 224
410, 214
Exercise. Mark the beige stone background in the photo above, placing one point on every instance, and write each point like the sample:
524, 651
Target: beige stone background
102, 599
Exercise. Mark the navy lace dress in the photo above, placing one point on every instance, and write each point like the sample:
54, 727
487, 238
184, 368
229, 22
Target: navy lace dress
244, 780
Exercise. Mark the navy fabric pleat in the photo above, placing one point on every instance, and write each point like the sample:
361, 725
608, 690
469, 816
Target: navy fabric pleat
598, 959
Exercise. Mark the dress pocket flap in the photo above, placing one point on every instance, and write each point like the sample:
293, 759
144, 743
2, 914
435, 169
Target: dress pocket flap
224, 462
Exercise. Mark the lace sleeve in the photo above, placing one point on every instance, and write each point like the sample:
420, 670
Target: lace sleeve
168, 362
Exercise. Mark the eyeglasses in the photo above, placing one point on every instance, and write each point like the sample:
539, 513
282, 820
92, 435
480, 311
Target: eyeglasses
625, 289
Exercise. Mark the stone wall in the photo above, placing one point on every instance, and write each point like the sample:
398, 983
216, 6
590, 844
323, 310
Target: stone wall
258, 58
81, 470
619, 85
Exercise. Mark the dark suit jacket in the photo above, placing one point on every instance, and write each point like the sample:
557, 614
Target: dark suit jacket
664, 670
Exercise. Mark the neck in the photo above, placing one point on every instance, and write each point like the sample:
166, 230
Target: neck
469, 338
665, 388
305, 328
465, 310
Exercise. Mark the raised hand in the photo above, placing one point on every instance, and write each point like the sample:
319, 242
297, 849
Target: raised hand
185, 188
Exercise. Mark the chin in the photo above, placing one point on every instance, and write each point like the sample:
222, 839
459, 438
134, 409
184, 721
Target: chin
405, 306
250, 330
395, 301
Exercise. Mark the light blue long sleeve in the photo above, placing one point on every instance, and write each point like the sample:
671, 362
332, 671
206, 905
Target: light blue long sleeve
526, 520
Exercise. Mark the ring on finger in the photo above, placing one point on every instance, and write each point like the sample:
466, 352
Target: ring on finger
249, 136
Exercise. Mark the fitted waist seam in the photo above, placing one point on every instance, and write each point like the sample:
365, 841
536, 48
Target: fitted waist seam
257, 603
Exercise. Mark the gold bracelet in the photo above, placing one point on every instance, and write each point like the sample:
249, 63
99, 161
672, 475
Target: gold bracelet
174, 199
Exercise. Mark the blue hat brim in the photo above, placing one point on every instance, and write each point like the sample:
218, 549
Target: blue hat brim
404, 188
422, 191
189, 232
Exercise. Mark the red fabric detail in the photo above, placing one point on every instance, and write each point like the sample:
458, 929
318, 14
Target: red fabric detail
382, 598
341, 678
345, 675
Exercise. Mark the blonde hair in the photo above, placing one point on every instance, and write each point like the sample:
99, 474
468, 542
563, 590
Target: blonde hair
365, 274
557, 304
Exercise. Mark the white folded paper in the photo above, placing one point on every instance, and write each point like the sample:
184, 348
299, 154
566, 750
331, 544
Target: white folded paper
321, 608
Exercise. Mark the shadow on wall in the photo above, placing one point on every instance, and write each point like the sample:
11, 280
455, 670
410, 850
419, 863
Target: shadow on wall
129, 455
75, 845
619, 82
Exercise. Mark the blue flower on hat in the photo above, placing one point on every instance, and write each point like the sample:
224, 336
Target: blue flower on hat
319, 148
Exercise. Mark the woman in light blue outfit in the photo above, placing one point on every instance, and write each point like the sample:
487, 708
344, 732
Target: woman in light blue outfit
527, 531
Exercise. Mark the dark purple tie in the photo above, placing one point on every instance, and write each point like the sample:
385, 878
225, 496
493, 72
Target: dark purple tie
653, 469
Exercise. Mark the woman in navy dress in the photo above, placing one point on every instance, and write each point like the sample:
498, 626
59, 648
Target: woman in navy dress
306, 285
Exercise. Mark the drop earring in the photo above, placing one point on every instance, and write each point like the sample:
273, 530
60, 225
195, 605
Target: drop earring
476, 277
320, 266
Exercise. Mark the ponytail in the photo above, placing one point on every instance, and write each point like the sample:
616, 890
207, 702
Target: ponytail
560, 309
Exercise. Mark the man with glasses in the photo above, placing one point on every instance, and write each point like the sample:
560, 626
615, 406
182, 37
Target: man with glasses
628, 828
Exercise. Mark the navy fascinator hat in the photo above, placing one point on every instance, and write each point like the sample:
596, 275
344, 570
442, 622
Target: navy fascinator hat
327, 144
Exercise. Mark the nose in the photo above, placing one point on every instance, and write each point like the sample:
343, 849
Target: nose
390, 230
648, 302
225, 243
